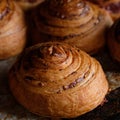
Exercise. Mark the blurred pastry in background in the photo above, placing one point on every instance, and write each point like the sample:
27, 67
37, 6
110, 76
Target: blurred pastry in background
12, 29
112, 6
12, 37
76, 22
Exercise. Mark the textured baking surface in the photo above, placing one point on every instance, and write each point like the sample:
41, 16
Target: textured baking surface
11, 110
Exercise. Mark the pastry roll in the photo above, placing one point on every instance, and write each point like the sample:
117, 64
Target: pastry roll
12, 29
58, 80
113, 37
112, 6
28, 4
75, 22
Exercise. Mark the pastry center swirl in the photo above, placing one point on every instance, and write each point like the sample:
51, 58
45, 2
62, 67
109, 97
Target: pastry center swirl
52, 57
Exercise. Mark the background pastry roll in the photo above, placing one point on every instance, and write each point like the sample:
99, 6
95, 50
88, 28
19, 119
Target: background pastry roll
12, 29
75, 22
112, 6
12, 36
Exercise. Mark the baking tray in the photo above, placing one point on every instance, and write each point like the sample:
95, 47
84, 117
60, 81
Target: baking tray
11, 110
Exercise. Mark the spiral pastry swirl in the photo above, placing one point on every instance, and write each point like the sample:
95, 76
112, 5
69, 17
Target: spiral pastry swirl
113, 37
58, 79
12, 29
72, 21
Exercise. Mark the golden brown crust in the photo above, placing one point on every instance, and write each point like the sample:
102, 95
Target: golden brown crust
28, 4
12, 30
113, 37
55, 79
75, 22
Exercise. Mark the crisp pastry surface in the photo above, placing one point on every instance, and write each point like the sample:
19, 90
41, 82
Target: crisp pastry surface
83, 26
55, 79
12, 29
